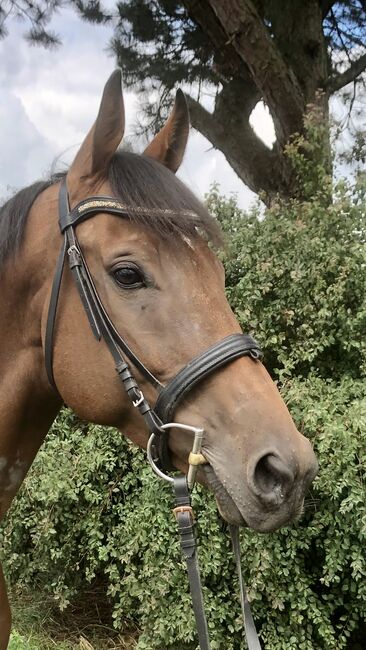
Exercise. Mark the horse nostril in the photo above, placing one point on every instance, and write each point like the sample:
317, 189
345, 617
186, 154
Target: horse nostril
272, 479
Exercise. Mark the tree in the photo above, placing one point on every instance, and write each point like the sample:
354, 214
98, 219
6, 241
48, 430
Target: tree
290, 54
37, 14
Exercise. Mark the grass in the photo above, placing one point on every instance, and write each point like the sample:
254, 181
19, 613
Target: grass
39, 625
36, 642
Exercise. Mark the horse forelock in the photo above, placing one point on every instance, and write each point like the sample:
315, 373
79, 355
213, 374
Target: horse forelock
156, 199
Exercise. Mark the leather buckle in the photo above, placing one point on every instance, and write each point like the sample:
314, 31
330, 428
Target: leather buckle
182, 509
139, 400
74, 256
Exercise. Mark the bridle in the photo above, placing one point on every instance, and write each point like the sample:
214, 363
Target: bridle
158, 419
170, 395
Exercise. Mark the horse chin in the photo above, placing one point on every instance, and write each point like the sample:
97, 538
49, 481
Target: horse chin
232, 515
225, 504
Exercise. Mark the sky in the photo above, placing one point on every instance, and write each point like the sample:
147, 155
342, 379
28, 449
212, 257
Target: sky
50, 99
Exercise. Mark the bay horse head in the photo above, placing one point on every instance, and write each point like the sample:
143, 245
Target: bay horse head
163, 288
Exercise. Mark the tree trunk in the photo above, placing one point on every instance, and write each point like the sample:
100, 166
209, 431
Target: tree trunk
288, 70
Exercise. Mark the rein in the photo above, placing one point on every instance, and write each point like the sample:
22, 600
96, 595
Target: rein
159, 418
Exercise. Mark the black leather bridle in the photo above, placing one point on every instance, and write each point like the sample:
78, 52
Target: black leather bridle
170, 395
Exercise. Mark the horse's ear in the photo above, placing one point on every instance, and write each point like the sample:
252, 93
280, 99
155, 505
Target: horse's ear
93, 158
169, 144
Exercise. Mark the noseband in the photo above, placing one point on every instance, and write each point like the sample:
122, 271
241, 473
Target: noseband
159, 418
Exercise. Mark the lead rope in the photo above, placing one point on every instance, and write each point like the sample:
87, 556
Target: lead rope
185, 519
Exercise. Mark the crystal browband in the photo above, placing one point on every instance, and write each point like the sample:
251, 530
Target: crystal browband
89, 207
92, 205
116, 205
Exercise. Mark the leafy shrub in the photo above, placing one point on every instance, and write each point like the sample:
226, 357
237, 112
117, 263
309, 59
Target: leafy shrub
18, 642
91, 508
297, 280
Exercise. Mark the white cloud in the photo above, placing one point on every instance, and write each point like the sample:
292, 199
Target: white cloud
19, 136
49, 100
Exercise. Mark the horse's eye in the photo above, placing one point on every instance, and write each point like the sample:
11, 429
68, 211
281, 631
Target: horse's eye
128, 277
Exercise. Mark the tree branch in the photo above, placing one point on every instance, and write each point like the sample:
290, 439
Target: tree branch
226, 58
259, 167
353, 71
236, 101
276, 81
326, 7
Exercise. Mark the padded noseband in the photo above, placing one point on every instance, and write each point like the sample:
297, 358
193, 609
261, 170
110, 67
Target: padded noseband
230, 348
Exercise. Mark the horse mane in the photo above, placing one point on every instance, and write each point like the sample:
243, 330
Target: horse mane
154, 196
13, 217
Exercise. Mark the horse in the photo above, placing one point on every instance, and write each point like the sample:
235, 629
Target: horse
150, 254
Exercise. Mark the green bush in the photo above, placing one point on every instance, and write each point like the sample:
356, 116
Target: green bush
91, 508
296, 279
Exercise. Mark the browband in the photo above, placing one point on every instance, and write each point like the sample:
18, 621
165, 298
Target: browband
94, 204
88, 208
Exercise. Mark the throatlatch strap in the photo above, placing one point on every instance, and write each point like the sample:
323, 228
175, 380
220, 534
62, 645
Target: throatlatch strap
63, 206
51, 317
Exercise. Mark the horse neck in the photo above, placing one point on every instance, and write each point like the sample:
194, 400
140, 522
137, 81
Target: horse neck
27, 404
